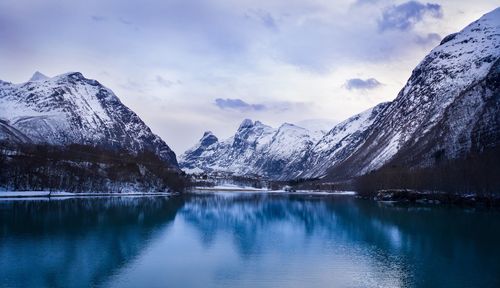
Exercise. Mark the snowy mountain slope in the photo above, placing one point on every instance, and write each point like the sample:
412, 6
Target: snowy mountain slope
11, 134
288, 152
340, 142
448, 109
230, 155
70, 109
284, 157
449, 104
471, 124
255, 149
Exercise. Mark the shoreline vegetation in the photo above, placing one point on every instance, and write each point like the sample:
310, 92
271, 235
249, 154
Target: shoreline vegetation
385, 190
403, 196
78, 170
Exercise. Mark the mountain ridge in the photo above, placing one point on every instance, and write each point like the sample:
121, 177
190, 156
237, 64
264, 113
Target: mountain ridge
71, 109
255, 149
455, 85
438, 82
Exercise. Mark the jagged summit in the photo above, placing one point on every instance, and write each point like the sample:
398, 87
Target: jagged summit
255, 148
246, 123
37, 76
207, 134
208, 139
72, 75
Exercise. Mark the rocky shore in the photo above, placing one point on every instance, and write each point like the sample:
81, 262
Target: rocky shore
435, 197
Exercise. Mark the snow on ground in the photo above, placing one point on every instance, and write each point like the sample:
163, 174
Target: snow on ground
7, 195
246, 189
231, 187
33, 193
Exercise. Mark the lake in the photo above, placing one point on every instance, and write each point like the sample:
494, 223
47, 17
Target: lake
245, 240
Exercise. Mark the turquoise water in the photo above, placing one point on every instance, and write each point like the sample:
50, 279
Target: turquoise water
245, 240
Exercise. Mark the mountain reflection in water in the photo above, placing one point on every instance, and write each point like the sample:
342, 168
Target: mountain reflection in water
245, 240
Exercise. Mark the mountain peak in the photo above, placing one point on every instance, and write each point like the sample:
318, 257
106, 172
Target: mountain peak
207, 134
208, 139
72, 75
37, 76
289, 126
246, 123
70, 109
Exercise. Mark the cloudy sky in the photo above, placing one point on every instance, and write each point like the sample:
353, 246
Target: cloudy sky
186, 66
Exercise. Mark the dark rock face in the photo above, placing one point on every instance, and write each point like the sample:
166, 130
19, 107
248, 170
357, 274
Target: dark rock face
470, 124
71, 109
206, 141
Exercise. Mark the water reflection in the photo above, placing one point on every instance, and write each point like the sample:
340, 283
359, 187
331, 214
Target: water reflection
396, 245
76, 242
245, 240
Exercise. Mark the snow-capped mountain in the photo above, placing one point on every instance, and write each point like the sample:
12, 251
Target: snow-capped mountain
449, 107
340, 142
71, 109
288, 152
255, 149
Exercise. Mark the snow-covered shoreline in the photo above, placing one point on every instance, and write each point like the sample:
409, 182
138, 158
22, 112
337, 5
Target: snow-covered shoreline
245, 189
7, 195
230, 187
